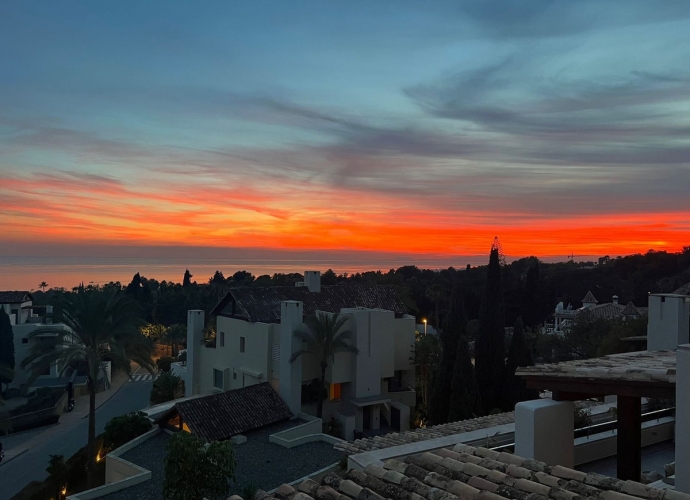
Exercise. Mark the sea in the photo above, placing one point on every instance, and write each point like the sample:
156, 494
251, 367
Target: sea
27, 272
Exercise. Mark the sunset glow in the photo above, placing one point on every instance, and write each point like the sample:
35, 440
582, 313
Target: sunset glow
396, 130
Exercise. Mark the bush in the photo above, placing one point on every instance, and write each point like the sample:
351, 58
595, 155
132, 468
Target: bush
582, 417
166, 388
333, 427
164, 364
121, 430
42, 399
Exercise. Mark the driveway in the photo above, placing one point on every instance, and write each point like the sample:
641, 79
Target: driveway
65, 439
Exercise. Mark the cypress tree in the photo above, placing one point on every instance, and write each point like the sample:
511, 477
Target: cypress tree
465, 401
520, 354
187, 280
6, 344
531, 306
454, 327
490, 345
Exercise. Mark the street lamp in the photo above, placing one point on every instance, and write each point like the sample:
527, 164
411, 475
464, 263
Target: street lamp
424, 320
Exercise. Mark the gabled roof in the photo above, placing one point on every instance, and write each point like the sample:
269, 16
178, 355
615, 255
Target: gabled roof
15, 297
589, 299
220, 416
630, 310
607, 311
684, 290
262, 304
467, 473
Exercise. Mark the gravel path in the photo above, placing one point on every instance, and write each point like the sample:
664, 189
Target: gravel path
259, 463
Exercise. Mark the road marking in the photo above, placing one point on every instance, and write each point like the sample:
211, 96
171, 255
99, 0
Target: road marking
144, 378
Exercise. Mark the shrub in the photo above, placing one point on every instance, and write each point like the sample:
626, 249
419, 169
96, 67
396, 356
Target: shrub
195, 469
582, 417
166, 388
164, 364
123, 429
333, 427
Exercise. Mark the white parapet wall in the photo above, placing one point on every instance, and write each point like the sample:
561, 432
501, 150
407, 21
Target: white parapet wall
544, 431
308, 432
683, 415
119, 473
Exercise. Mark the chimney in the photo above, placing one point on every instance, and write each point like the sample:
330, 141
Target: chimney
312, 280
615, 299
669, 321
195, 337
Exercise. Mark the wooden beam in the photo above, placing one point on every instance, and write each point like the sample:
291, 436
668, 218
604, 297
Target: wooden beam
629, 442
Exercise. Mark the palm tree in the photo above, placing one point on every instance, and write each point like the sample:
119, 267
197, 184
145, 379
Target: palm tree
165, 388
323, 338
177, 335
43, 286
104, 326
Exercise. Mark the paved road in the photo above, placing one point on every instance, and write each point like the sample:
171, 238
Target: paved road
31, 465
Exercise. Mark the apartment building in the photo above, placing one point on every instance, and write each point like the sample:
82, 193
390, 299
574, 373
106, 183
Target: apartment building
255, 339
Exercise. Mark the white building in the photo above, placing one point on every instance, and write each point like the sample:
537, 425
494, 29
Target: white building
255, 339
25, 318
565, 317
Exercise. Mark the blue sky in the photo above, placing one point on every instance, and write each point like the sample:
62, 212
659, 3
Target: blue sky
158, 122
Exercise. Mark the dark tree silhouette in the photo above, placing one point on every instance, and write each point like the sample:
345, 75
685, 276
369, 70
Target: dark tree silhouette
520, 354
465, 401
454, 328
490, 345
6, 347
187, 280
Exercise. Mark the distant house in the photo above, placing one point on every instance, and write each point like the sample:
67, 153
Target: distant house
25, 317
565, 317
255, 339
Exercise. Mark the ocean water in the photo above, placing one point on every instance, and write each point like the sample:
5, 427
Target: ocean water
26, 272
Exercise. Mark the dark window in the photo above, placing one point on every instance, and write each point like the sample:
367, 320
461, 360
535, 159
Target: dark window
218, 379
241, 344
222, 339
25, 340
234, 376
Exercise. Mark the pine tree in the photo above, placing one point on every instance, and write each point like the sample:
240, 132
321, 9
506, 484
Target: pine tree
520, 355
465, 401
187, 280
453, 328
6, 345
490, 345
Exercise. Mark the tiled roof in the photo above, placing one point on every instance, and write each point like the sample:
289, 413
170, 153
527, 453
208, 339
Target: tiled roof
422, 434
608, 310
630, 310
684, 290
589, 298
436, 431
14, 297
650, 366
468, 473
221, 416
262, 304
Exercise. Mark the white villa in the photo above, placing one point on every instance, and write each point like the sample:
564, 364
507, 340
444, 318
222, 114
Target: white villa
564, 317
255, 339
25, 318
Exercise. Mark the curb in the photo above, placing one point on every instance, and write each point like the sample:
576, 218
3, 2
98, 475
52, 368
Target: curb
8, 460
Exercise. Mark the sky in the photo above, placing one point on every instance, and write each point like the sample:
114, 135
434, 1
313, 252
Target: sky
388, 128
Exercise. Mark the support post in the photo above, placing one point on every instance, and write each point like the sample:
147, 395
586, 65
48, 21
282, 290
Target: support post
682, 418
629, 442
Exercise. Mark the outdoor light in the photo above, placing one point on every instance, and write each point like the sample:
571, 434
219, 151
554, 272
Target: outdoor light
424, 320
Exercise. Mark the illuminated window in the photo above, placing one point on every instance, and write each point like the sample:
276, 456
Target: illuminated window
335, 392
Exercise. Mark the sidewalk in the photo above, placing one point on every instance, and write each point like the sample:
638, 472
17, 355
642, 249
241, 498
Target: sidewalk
70, 419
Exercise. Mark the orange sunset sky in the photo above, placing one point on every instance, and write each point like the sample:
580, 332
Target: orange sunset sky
374, 129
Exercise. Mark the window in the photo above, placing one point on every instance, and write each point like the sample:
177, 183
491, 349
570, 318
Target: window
222, 339
335, 392
241, 344
25, 340
218, 379
234, 375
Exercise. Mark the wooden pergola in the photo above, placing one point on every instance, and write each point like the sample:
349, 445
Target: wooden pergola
629, 376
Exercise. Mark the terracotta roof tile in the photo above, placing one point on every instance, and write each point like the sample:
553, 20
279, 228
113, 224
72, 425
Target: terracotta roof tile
424, 477
221, 416
14, 297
